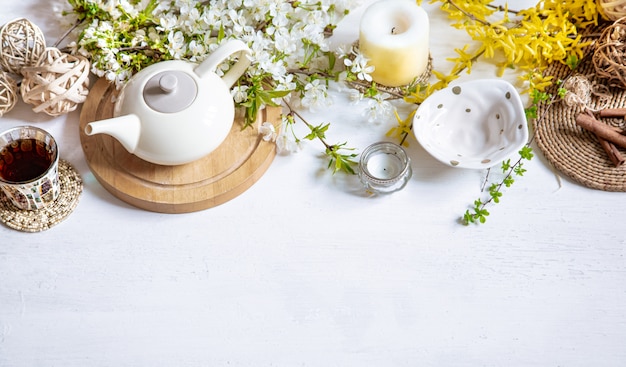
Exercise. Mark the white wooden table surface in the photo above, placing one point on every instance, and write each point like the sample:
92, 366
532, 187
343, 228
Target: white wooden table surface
304, 270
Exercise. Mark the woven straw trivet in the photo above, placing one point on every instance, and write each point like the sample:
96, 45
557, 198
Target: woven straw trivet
569, 148
43, 219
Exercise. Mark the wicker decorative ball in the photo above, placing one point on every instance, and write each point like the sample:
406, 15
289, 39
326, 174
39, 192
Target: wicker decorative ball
57, 84
8, 93
613, 9
609, 56
22, 44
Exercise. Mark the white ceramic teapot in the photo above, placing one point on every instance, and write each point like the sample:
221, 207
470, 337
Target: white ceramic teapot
175, 112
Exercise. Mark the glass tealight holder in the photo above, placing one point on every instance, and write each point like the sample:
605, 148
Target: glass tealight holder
384, 168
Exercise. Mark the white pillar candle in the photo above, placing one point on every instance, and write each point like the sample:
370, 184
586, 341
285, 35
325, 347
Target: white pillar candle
394, 37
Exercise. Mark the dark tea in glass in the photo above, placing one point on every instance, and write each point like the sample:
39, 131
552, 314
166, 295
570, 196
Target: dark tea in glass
24, 160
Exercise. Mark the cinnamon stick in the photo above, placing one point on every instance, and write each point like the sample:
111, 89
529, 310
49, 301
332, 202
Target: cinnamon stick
619, 130
612, 152
602, 130
613, 112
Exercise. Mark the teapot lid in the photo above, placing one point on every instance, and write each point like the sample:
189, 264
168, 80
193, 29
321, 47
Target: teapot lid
170, 91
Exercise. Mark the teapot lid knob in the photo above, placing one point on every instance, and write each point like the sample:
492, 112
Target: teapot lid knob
170, 91
168, 82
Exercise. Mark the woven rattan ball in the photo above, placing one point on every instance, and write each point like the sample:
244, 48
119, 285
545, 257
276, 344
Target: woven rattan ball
22, 45
609, 56
58, 84
8, 93
613, 9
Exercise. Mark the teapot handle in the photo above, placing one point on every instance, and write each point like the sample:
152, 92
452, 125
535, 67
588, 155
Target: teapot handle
222, 53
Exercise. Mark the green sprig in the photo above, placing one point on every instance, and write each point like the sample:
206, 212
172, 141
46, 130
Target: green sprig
478, 213
339, 160
260, 94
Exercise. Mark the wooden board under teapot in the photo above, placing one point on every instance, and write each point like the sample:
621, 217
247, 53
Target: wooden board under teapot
222, 175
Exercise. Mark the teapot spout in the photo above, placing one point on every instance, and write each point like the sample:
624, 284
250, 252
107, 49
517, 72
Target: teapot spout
126, 129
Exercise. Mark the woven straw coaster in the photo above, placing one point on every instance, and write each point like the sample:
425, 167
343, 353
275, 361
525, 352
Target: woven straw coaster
43, 219
569, 148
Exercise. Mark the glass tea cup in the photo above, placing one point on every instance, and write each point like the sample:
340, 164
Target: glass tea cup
29, 167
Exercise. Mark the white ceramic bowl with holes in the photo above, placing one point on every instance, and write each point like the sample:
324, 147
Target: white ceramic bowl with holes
476, 124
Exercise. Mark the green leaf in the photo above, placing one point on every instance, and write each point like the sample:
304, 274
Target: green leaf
331, 60
494, 192
573, 61
506, 165
526, 152
339, 161
531, 112
468, 218
481, 215
221, 33
318, 131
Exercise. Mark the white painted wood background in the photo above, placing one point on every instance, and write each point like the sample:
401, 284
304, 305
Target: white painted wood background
304, 270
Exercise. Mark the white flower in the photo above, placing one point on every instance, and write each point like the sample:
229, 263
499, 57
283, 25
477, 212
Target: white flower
355, 96
101, 43
239, 93
162, 6
128, 8
168, 22
284, 43
286, 144
378, 108
110, 76
125, 58
197, 49
239, 22
212, 17
268, 131
139, 39
360, 67
176, 46
104, 26
343, 51
276, 69
72, 46
111, 8
315, 96
280, 18
189, 17
285, 83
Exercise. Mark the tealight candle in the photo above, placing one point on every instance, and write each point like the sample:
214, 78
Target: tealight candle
384, 168
394, 37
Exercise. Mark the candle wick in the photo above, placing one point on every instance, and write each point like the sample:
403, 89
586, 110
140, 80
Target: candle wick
393, 30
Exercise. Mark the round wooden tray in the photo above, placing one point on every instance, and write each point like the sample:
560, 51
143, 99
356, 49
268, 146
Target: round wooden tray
222, 175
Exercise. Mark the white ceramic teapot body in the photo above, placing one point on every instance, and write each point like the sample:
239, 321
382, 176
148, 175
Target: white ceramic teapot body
175, 112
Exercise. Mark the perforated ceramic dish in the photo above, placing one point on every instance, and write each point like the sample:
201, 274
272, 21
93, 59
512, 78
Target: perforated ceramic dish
475, 124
